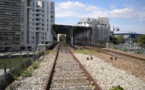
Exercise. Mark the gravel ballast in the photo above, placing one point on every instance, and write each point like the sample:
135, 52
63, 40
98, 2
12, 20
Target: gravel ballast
39, 76
107, 76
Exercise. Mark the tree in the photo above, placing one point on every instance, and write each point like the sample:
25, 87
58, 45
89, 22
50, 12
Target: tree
141, 39
120, 39
134, 40
113, 39
62, 38
117, 39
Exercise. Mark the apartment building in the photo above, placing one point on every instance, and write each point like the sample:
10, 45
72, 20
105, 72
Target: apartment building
38, 18
29, 23
10, 24
99, 32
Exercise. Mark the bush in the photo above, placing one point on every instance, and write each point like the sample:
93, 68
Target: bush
125, 49
115, 47
117, 88
47, 52
138, 52
35, 65
26, 73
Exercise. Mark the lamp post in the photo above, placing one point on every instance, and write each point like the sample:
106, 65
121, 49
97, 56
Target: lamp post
117, 29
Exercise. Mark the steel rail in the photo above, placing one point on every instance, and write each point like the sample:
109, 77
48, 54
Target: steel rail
106, 51
91, 79
51, 71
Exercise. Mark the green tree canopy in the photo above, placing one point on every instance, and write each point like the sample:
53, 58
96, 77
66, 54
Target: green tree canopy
120, 39
141, 39
62, 38
117, 39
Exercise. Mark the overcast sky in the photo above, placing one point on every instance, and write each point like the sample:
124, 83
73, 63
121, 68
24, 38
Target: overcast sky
128, 15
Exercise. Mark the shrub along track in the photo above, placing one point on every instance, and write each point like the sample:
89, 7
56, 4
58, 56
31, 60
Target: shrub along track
68, 73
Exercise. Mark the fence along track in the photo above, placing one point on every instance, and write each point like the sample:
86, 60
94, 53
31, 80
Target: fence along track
68, 74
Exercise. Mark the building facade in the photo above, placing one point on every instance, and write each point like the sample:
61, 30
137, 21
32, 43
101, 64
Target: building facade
99, 32
10, 24
38, 18
32, 25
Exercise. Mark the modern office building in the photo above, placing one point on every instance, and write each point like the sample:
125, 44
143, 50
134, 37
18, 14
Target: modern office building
98, 32
29, 23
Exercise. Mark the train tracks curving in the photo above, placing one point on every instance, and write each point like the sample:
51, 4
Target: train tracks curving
68, 74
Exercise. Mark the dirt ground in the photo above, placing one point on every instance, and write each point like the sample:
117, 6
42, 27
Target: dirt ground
130, 67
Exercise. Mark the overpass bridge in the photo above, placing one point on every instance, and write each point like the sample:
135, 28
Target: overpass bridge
69, 30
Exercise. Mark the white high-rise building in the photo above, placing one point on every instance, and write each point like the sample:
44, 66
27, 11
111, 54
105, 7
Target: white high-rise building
39, 15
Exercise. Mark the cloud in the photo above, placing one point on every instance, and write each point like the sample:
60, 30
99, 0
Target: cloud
92, 8
122, 13
71, 5
78, 10
71, 12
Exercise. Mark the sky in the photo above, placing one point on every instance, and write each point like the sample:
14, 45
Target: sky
127, 15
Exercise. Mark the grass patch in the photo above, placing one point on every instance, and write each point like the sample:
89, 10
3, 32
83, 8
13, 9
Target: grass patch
13, 61
26, 73
117, 88
85, 51
35, 65
49, 51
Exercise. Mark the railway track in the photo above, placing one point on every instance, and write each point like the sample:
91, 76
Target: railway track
68, 74
115, 54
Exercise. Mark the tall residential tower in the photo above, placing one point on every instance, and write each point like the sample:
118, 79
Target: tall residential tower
38, 18
10, 24
25, 23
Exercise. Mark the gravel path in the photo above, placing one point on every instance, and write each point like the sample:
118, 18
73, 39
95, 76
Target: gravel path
107, 76
39, 76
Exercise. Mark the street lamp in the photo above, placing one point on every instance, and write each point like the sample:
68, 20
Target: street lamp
117, 29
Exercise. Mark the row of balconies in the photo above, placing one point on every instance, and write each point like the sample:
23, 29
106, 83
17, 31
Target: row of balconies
10, 7
10, 23
9, 3
9, 15
16, 1
11, 19
9, 26
9, 35
9, 40
10, 43
10, 10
